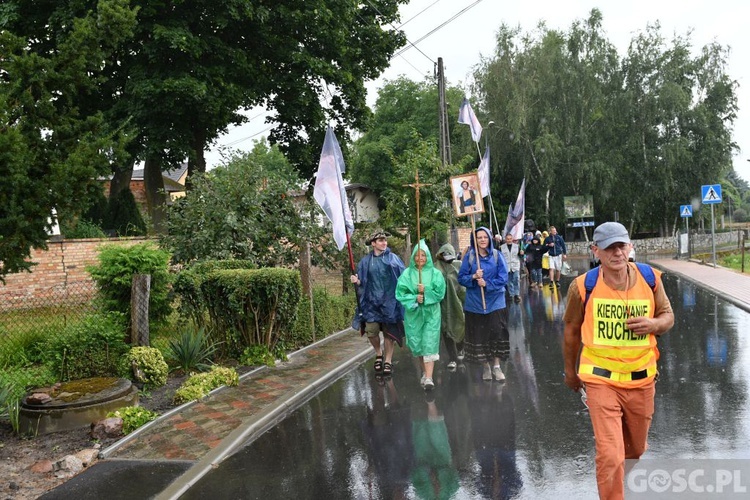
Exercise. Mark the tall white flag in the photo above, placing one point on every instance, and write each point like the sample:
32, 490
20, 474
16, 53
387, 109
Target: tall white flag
467, 117
516, 216
484, 173
329, 189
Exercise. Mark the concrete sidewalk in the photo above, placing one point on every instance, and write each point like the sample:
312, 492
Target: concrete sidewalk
731, 286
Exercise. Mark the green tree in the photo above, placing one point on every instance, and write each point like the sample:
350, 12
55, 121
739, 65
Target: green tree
242, 210
400, 199
51, 149
405, 115
402, 138
640, 133
548, 96
188, 69
123, 216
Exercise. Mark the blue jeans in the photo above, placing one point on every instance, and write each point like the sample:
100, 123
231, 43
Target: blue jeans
513, 285
536, 276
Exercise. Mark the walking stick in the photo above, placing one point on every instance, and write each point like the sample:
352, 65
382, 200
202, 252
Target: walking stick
476, 250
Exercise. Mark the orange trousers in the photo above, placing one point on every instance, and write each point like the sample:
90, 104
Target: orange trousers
621, 419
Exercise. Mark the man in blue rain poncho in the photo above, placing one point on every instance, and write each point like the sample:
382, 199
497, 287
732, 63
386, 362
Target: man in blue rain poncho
420, 289
378, 310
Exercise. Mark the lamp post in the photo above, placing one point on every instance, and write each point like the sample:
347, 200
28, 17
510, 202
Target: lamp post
499, 129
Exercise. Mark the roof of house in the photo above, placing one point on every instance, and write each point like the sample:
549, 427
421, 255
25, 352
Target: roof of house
176, 173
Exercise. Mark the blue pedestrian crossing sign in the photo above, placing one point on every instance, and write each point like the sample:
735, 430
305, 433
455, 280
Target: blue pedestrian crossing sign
686, 210
711, 194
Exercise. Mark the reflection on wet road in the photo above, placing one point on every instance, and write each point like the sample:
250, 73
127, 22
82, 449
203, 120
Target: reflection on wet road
527, 438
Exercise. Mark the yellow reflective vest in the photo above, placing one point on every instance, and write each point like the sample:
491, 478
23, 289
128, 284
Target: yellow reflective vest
612, 354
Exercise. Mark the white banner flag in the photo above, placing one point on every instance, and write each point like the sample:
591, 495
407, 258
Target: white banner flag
515, 221
484, 173
329, 189
467, 117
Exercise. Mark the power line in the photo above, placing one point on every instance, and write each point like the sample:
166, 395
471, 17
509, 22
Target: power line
417, 14
395, 28
399, 53
441, 26
234, 143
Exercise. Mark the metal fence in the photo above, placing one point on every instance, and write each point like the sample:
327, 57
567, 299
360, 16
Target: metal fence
28, 323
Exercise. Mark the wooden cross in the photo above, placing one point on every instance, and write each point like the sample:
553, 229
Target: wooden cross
416, 187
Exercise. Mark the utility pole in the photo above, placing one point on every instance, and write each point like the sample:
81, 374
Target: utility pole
445, 142
445, 138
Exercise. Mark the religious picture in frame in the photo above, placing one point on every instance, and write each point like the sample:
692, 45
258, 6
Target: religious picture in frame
467, 197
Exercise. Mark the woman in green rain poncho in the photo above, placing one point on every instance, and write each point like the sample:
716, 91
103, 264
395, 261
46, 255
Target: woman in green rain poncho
420, 289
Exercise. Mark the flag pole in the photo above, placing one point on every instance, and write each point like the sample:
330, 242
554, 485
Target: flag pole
351, 255
491, 214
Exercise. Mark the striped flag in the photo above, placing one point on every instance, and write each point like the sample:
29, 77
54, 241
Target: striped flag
467, 117
484, 173
329, 189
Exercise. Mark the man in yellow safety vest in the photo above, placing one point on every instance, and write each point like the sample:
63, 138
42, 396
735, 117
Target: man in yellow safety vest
614, 315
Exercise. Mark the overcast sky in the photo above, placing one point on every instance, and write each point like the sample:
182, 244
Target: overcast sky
465, 39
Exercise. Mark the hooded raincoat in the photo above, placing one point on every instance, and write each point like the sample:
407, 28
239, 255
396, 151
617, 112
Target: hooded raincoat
421, 321
495, 272
377, 301
452, 307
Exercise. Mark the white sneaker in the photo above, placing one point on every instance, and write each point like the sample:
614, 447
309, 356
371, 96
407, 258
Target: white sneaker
428, 384
422, 381
498, 373
487, 373
460, 355
452, 365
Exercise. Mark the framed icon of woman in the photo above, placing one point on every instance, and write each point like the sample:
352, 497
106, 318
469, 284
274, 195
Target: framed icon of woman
467, 197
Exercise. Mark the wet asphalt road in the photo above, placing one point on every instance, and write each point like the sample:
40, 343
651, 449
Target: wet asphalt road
527, 438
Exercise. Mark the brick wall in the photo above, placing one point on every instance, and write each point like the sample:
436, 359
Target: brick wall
62, 265
138, 188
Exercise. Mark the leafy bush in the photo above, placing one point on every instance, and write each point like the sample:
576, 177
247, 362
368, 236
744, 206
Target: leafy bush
333, 313
256, 355
256, 304
199, 385
187, 285
148, 366
93, 348
192, 350
133, 417
114, 277
240, 210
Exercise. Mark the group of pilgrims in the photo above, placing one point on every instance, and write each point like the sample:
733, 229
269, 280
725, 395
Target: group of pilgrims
461, 302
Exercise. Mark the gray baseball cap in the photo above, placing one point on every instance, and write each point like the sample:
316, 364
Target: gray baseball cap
609, 233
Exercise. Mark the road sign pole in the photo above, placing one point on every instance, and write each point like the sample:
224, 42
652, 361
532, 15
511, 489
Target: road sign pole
713, 235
